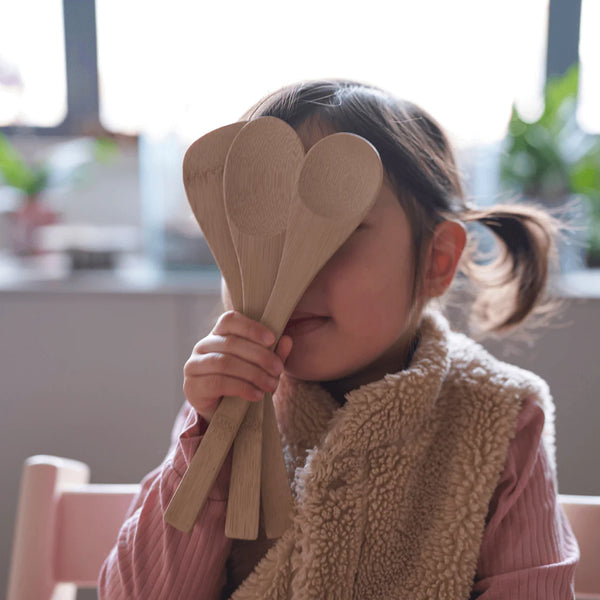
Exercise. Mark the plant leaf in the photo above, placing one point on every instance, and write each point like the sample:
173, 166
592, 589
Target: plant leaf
15, 171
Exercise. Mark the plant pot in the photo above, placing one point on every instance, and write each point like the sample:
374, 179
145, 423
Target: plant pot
24, 225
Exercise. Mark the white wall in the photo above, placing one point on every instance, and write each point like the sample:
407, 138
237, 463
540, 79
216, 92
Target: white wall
91, 376
568, 359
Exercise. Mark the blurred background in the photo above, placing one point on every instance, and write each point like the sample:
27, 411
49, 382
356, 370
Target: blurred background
105, 280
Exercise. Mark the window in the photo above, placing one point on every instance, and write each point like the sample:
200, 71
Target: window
197, 66
33, 88
193, 67
173, 72
589, 57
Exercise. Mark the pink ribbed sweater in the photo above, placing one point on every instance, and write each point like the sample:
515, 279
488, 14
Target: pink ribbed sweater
528, 550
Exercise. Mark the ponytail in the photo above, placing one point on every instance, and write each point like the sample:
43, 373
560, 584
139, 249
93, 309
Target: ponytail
512, 286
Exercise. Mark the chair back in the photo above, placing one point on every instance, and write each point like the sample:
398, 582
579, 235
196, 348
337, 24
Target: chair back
65, 528
583, 513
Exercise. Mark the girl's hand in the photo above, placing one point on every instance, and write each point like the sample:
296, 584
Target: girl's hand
233, 360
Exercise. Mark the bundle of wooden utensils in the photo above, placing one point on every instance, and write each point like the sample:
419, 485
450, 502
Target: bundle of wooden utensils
273, 215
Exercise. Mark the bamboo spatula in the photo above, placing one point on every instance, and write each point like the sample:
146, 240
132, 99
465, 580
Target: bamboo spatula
203, 166
339, 182
261, 172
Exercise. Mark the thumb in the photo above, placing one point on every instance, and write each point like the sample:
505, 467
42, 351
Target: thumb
284, 347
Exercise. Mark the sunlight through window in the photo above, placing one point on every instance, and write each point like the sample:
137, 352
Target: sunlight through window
32, 64
589, 57
196, 66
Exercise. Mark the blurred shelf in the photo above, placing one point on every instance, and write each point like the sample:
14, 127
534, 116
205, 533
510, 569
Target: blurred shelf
132, 274
580, 284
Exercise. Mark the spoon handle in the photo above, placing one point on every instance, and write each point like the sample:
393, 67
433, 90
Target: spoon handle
243, 503
276, 495
198, 480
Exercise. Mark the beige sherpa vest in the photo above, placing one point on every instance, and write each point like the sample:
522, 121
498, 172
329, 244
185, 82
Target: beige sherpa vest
392, 489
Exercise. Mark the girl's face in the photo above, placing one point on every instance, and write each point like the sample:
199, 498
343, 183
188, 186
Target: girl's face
354, 321
355, 316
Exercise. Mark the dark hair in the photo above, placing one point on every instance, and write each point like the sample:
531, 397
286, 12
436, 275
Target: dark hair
419, 161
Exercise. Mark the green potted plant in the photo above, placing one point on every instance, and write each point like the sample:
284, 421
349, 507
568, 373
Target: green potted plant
553, 161
60, 168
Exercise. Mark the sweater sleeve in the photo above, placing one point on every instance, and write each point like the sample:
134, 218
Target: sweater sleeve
152, 560
528, 549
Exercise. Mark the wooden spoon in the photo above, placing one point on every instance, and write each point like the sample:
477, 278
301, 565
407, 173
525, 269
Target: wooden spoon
260, 177
339, 182
203, 166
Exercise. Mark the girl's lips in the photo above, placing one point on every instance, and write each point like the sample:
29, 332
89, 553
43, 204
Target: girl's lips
304, 324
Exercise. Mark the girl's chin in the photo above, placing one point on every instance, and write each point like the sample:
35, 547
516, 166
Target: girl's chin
307, 369
304, 370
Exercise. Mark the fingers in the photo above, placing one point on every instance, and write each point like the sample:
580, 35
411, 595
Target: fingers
235, 359
216, 369
234, 346
249, 339
284, 347
235, 323
204, 393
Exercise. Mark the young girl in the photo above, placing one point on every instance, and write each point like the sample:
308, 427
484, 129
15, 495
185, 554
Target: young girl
421, 467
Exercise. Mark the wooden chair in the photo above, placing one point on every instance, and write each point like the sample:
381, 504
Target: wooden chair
583, 513
65, 528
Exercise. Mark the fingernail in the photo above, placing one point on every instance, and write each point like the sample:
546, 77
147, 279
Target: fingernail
268, 338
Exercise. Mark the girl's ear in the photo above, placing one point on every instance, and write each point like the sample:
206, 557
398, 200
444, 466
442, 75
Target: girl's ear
445, 250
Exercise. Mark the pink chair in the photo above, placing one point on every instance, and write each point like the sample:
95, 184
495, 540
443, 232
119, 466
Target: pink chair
64, 530
583, 513
66, 527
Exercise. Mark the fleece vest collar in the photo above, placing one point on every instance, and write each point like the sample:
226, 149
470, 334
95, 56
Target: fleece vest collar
392, 489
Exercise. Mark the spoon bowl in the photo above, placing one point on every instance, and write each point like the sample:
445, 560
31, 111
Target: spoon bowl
339, 182
203, 166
